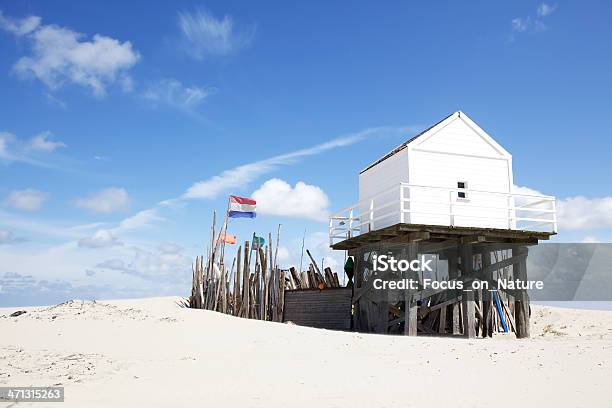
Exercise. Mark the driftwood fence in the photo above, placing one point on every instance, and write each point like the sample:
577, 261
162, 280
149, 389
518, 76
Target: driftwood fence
254, 286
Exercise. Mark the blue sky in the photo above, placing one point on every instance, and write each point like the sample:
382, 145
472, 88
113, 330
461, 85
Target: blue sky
109, 110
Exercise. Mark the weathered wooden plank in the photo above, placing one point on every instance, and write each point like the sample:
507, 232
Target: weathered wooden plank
331, 310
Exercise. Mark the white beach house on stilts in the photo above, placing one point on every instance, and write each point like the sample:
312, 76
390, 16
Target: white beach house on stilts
446, 192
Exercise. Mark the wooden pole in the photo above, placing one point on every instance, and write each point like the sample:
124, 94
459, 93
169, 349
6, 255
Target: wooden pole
453, 273
521, 307
411, 312
468, 304
487, 309
245, 283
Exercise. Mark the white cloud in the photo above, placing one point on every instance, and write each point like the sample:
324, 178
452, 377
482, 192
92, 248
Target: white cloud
579, 213
239, 177
42, 143
277, 197
59, 55
19, 27
205, 35
590, 240
546, 9
7, 237
100, 239
29, 200
173, 93
105, 201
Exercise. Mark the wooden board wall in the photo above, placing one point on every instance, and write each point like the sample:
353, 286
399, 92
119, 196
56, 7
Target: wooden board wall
325, 309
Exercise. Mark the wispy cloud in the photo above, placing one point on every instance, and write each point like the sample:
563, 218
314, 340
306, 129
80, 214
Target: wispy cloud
205, 35
521, 24
173, 93
55, 101
533, 24
19, 27
546, 9
106, 201
140, 219
13, 149
242, 175
28, 200
58, 55
42, 143
40, 227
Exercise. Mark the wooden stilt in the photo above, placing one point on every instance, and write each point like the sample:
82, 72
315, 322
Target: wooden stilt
468, 305
521, 306
453, 273
487, 308
411, 308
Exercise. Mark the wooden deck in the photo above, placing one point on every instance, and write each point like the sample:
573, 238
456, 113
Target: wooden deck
407, 233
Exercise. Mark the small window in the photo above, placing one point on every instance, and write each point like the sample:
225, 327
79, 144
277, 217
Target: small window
462, 185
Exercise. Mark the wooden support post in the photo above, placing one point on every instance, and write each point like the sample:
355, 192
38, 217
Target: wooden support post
410, 325
453, 273
411, 308
356, 254
521, 306
487, 307
468, 305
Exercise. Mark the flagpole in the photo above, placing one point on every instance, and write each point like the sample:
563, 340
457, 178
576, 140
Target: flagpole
222, 229
225, 229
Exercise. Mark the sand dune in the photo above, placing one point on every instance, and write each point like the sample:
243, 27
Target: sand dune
152, 353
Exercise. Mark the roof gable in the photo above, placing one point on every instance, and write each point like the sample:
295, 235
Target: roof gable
430, 132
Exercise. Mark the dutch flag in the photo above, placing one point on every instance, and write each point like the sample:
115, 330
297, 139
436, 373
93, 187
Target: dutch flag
241, 207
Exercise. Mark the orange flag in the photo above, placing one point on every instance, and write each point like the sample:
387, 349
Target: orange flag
228, 239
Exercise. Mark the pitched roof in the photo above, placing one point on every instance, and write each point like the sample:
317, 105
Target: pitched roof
405, 144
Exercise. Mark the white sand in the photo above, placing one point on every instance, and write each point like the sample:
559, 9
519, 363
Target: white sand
151, 353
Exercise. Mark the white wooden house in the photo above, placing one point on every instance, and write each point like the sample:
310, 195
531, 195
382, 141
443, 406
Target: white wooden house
452, 174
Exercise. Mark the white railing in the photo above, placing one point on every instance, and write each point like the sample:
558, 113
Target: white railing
416, 204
